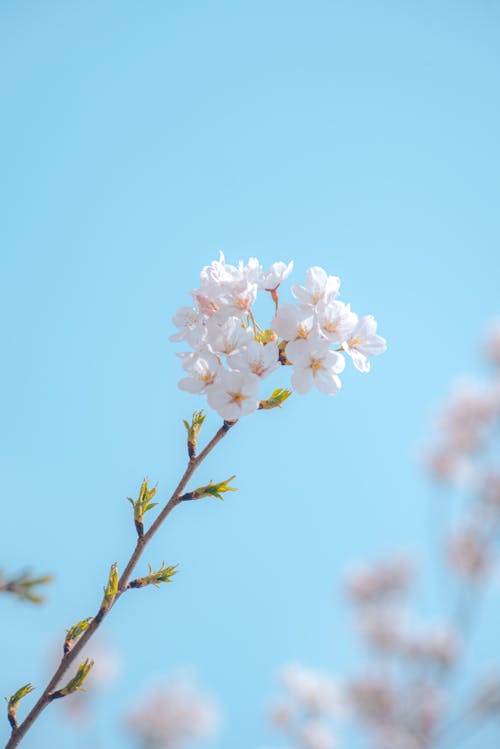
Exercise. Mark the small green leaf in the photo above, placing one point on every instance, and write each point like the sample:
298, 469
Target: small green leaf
111, 588
142, 504
76, 683
163, 575
13, 703
276, 399
74, 632
193, 431
214, 490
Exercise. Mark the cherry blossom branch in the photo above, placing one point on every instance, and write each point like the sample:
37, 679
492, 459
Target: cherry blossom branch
121, 585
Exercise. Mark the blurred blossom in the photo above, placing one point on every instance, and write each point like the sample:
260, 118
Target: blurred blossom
492, 344
281, 714
437, 646
315, 734
373, 697
172, 715
490, 493
382, 628
469, 554
313, 690
370, 583
488, 697
465, 428
397, 714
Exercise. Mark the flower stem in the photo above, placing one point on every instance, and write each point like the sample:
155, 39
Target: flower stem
20, 731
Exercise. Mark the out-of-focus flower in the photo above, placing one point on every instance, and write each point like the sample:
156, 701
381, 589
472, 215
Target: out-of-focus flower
382, 628
172, 715
315, 734
314, 690
492, 344
370, 583
281, 714
469, 553
488, 697
438, 645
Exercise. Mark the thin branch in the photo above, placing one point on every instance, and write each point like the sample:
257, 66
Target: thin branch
68, 658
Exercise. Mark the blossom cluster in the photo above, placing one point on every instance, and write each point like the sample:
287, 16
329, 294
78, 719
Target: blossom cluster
466, 454
173, 715
312, 699
231, 353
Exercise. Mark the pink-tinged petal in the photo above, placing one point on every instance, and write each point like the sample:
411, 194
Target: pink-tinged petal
249, 405
302, 379
359, 360
190, 385
316, 278
297, 350
375, 345
366, 327
285, 322
301, 294
334, 361
327, 382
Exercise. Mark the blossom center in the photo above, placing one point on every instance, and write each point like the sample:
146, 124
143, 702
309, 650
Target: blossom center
237, 398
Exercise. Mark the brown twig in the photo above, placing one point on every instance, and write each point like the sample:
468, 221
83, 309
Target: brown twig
68, 658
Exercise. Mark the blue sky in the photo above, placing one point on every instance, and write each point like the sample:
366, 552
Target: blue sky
139, 139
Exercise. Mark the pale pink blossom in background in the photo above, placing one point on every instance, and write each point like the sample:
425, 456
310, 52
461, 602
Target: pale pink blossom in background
469, 554
492, 343
172, 715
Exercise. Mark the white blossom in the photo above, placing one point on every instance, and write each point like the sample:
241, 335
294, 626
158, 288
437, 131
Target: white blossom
315, 734
318, 287
228, 338
290, 323
173, 715
314, 690
225, 336
235, 394
364, 342
202, 369
277, 273
315, 364
256, 358
190, 324
336, 321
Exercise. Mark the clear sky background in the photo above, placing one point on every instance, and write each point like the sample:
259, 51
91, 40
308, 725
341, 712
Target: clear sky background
137, 140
